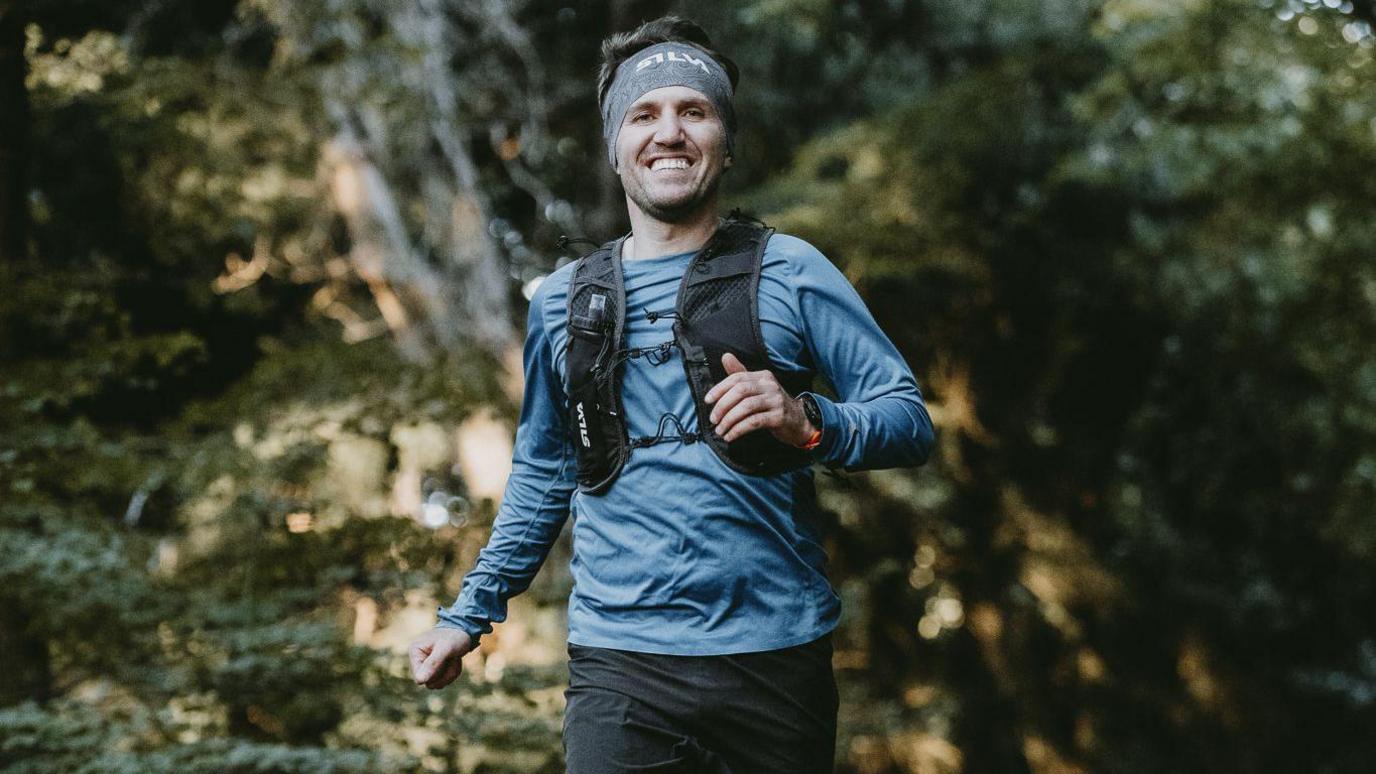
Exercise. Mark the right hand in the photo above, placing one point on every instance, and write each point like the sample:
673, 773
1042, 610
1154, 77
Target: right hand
437, 656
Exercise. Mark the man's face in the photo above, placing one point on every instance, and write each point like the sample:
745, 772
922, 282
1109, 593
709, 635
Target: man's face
670, 153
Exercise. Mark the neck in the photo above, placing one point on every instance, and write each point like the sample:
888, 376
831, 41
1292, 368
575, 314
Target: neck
651, 238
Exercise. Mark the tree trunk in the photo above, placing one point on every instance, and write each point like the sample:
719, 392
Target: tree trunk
605, 222
989, 730
25, 672
380, 251
14, 131
483, 299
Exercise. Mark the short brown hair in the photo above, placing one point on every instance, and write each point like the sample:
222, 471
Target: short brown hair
619, 47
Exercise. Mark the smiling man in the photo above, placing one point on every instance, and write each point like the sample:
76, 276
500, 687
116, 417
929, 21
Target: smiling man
667, 407
667, 179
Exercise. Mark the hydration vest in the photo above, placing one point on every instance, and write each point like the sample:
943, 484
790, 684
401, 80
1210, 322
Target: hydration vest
716, 312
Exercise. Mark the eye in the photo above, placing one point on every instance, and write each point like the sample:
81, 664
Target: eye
695, 112
640, 118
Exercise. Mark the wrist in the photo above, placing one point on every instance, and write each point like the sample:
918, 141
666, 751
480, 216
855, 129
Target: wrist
812, 422
456, 632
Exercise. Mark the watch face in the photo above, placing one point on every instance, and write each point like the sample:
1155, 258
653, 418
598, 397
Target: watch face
814, 414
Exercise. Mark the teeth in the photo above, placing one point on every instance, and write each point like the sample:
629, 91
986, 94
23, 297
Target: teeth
669, 164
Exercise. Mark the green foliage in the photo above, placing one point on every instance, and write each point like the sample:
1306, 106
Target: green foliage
74, 738
1142, 259
1126, 248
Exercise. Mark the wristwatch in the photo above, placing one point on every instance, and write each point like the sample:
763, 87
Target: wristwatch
814, 415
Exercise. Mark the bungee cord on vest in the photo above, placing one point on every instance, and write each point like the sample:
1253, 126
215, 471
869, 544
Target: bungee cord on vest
653, 315
656, 355
714, 311
659, 437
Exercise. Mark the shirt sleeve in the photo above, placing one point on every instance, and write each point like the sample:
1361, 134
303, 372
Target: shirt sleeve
881, 420
536, 501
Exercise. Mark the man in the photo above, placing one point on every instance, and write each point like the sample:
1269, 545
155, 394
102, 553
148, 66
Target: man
701, 616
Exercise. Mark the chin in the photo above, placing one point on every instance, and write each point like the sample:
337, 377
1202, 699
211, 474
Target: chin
675, 210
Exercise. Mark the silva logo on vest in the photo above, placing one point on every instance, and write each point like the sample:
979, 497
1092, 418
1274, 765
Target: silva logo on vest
671, 56
583, 426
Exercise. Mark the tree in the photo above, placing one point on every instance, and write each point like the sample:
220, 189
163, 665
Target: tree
13, 133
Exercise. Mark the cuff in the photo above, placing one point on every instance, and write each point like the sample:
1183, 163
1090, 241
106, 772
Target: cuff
825, 451
475, 629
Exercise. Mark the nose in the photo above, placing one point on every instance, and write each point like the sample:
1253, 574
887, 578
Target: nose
668, 129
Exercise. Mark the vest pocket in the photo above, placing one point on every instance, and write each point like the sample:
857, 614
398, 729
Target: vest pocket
591, 396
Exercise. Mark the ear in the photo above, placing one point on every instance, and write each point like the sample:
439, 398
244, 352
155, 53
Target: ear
729, 160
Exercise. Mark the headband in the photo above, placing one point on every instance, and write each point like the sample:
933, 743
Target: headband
674, 63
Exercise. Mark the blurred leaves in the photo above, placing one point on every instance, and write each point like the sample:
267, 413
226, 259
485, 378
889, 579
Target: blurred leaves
1125, 245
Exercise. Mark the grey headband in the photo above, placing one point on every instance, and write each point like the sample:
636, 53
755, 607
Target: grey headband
666, 64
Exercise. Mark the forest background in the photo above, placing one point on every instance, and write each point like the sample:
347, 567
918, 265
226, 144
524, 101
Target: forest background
263, 275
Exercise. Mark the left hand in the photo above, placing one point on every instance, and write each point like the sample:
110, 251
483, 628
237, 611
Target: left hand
437, 656
749, 400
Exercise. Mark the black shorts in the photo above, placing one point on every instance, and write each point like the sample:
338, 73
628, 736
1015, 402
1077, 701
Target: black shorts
743, 713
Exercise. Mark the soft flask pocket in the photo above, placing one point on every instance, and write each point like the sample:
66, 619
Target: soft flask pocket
589, 357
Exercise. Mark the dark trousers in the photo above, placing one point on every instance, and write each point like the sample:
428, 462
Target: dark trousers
743, 713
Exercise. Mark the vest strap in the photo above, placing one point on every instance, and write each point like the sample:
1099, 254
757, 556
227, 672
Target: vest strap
716, 311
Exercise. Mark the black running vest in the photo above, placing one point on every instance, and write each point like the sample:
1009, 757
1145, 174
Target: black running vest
716, 311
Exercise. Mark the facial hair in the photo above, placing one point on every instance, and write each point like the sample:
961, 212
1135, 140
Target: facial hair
681, 212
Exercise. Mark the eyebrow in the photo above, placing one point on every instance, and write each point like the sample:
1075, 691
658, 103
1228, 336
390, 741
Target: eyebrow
685, 102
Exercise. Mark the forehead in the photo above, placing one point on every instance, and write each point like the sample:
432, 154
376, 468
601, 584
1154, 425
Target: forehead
670, 95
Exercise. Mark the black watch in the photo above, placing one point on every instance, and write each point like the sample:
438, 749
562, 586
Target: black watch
811, 410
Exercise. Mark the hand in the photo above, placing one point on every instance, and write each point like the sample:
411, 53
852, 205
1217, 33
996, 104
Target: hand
749, 400
437, 656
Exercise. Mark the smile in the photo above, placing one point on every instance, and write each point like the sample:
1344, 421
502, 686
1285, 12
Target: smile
669, 163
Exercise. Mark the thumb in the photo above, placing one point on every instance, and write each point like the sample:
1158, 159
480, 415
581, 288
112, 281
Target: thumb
438, 654
732, 364
418, 651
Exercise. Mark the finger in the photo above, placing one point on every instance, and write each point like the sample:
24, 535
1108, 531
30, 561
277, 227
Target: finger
447, 675
734, 375
721, 387
423, 673
732, 364
754, 404
739, 391
447, 672
432, 663
418, 653
750, 424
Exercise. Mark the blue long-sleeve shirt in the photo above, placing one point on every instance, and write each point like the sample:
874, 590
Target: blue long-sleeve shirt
683, 555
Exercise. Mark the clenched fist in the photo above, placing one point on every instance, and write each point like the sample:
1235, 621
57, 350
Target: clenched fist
437, 656
750, 400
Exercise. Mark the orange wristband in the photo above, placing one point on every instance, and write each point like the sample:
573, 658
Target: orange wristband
812, 441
